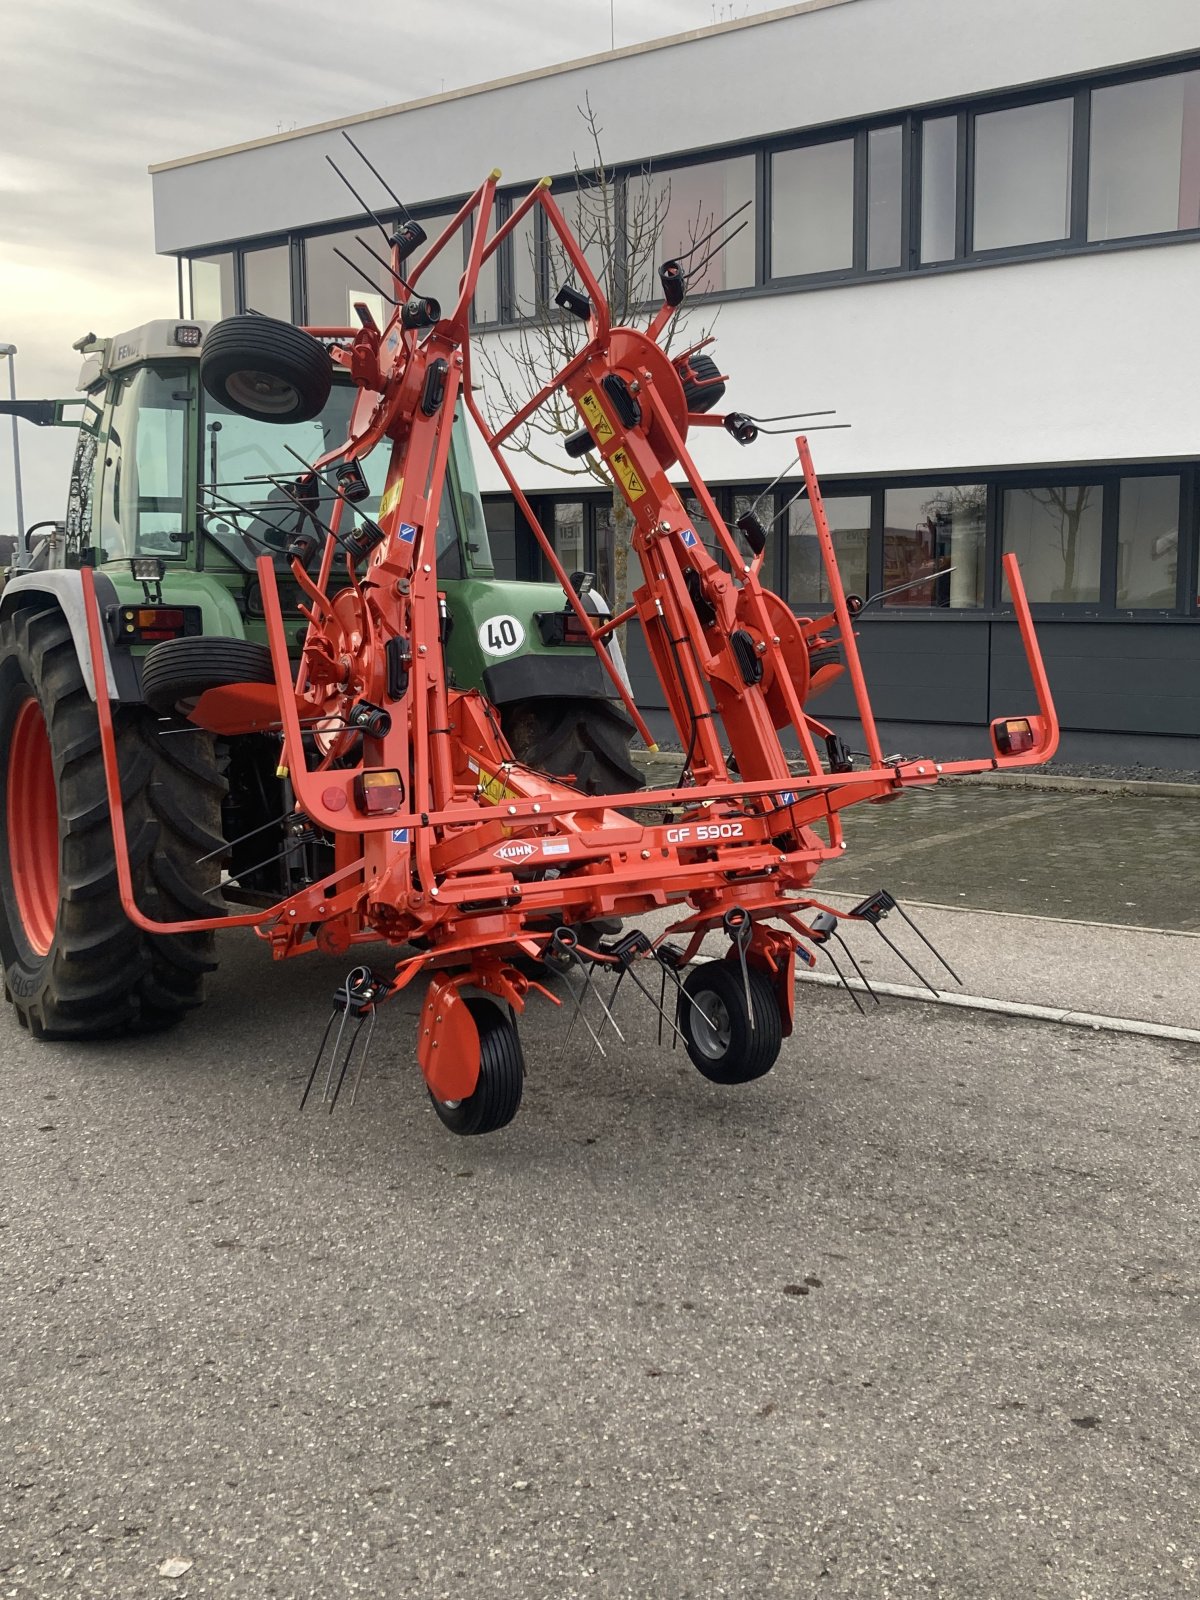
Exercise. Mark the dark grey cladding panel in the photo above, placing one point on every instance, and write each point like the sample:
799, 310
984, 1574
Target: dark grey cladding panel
1123, 677
917, 671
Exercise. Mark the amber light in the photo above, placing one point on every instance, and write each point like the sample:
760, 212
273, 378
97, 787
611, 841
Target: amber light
1014, 736
379, 792
152, 624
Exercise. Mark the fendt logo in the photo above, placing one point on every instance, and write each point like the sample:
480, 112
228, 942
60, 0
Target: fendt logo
514, 852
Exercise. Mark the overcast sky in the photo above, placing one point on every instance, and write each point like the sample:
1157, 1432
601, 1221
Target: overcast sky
94, 93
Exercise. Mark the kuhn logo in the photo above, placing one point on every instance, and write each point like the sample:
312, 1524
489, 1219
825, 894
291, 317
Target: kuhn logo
514, 852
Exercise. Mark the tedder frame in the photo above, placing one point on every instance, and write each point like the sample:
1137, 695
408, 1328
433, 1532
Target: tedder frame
478, 868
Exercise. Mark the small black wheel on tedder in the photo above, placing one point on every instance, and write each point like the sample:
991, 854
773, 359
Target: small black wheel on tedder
715, 1022
497, 1095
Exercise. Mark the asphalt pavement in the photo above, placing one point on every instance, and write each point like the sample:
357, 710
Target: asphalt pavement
916, 1314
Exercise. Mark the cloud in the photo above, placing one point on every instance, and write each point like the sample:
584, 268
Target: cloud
93, 94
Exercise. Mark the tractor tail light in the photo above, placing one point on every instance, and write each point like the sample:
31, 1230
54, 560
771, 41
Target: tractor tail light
152, 624
379, 792
1013, 736
561, 627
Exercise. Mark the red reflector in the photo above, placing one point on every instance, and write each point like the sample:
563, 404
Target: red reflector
574, 631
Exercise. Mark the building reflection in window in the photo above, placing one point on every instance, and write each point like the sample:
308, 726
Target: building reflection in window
927, 530
849, 518
1054, 531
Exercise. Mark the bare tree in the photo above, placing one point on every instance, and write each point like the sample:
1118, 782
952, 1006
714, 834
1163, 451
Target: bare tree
1068, 506
618, 225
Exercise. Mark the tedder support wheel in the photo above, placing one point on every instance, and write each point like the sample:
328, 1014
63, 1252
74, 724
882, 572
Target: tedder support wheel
74, 966
715, 1024
265, 369
586, 739
497, 1094
182, 669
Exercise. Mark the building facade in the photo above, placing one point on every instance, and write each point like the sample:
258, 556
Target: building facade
971, 232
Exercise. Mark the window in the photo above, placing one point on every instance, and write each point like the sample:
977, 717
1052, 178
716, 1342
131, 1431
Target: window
666, 213
141, 508
1144, 167
526, 266
885, 166
441, 278
1023, 175
568, 534
266, 282
849, 518
1055, 533
243, 512
212, 287
502, 518
926, 531
331, 285
486, 305
939, 187
1148, 543
812, 209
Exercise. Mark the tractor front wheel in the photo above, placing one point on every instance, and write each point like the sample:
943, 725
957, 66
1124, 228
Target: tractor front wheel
74, 966
715, 1022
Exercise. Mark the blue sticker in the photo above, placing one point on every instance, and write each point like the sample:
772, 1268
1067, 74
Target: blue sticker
407, 533
788, 797
399, 835
688, 535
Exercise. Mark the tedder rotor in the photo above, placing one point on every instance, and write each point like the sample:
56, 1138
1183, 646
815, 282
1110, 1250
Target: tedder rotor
485, 874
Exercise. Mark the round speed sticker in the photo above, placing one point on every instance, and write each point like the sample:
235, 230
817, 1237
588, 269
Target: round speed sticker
500, 636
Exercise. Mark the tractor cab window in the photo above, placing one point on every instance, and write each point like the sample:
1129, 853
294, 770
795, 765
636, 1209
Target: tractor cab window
247, 468
141, 509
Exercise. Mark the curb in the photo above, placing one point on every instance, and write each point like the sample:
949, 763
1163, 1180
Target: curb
1146, 787
1013, 1008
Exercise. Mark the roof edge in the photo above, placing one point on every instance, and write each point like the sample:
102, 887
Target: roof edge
645, 48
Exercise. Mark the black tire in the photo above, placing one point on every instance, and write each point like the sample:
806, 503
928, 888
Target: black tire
719, 1039
91, 973
584, 740
826, 655
497, 1094
182, 669
265, 369
703, 386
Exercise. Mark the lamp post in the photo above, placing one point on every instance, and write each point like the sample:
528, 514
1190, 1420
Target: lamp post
10, 351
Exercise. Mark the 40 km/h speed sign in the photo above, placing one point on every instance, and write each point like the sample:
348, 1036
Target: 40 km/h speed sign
500, 636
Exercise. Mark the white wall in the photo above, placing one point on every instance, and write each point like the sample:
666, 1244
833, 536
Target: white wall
798, 69
1084, 358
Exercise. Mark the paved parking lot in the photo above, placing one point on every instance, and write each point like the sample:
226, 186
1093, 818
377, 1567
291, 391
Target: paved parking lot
915, 1315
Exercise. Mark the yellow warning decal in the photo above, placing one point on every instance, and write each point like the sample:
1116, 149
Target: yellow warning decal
589, 404
494, 788
625, 470
391, 497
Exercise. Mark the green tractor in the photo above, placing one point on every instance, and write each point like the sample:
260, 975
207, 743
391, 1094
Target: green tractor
174, 495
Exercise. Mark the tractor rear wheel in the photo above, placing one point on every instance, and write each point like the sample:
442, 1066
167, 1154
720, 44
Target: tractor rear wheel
715, 1022
497, 1094
74, 966
586, 741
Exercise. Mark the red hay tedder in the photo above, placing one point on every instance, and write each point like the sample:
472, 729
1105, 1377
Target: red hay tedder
482, 871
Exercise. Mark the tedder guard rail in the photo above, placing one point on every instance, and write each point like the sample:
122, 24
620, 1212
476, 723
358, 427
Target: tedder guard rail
440, 837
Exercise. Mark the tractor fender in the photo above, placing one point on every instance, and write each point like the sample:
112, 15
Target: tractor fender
65, 588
